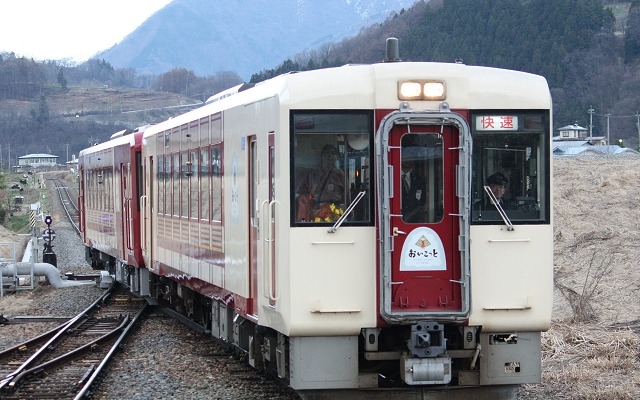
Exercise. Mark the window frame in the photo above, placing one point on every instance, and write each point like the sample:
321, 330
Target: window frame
350, 160
539, 129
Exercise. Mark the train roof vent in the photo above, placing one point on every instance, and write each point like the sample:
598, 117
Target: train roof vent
142, 128
230, 92
393, 54
121, 133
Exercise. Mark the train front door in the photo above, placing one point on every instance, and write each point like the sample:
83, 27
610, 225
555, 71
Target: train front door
423, 201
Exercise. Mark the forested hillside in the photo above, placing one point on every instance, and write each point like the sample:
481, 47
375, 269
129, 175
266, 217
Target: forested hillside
589, 56
49, 107
533, 36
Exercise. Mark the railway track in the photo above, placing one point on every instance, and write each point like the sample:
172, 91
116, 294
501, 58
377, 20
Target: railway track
64, 362
68, 204
187, 362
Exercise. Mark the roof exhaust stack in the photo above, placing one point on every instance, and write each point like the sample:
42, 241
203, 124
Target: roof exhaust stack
393, 54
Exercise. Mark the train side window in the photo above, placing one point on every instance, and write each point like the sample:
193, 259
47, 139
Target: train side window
216, 128
184, 184
204, 131
216, 183
194, 178
330, 167
89, 188
100, 192
94, 189
108, 187
160, 184
511, 165
205, 177
175, 190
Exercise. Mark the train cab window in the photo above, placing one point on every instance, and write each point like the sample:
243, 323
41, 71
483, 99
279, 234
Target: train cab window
421, 177
510, 168
331, 167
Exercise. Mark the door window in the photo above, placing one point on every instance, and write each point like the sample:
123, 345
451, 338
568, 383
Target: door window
421, 178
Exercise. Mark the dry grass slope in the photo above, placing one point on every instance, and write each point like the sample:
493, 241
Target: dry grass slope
593, 347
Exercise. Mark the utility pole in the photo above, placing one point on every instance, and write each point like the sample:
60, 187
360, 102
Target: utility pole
608, 141
638, 126
591, 111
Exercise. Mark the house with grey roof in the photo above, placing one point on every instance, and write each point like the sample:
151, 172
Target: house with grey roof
37, 161
573, 140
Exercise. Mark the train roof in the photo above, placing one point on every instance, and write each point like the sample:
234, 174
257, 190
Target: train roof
117, 139
367, 87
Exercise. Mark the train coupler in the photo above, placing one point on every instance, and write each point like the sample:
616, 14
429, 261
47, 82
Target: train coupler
427, 339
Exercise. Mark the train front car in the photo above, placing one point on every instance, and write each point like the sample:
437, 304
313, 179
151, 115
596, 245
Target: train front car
468, 285
462, 284
340, 226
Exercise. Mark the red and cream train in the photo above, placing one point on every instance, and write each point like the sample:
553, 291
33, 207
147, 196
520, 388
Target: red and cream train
213, 212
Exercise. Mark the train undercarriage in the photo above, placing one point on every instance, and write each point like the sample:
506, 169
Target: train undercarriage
417, 361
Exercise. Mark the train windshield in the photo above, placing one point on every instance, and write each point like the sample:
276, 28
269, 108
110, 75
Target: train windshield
510, 167
331, 167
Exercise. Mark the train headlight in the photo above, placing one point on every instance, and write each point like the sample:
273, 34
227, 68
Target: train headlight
421, 90
410, 91
434, 90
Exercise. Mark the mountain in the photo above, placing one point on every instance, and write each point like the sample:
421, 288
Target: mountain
244, 37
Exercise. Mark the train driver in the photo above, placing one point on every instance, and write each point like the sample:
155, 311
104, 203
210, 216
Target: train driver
498, 184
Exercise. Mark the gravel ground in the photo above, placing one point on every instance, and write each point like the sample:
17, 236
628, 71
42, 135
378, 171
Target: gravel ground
163, 359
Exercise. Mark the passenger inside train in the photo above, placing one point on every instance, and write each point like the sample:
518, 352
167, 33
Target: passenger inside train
321, 187
330, 168
414, 194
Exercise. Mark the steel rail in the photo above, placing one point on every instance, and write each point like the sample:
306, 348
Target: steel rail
52, 336
72, 375
59, 188
96, 372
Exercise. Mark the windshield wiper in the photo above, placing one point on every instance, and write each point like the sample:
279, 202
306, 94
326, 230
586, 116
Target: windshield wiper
498, 206
346, 213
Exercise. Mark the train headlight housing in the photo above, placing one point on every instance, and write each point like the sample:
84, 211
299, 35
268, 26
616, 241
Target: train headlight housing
421, 90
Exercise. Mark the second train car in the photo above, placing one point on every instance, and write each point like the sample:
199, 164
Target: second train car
341, 225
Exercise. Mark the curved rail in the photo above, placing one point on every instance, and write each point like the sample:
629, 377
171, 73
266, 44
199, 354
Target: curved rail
68, 373
33, 349
71, 375
91, 379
